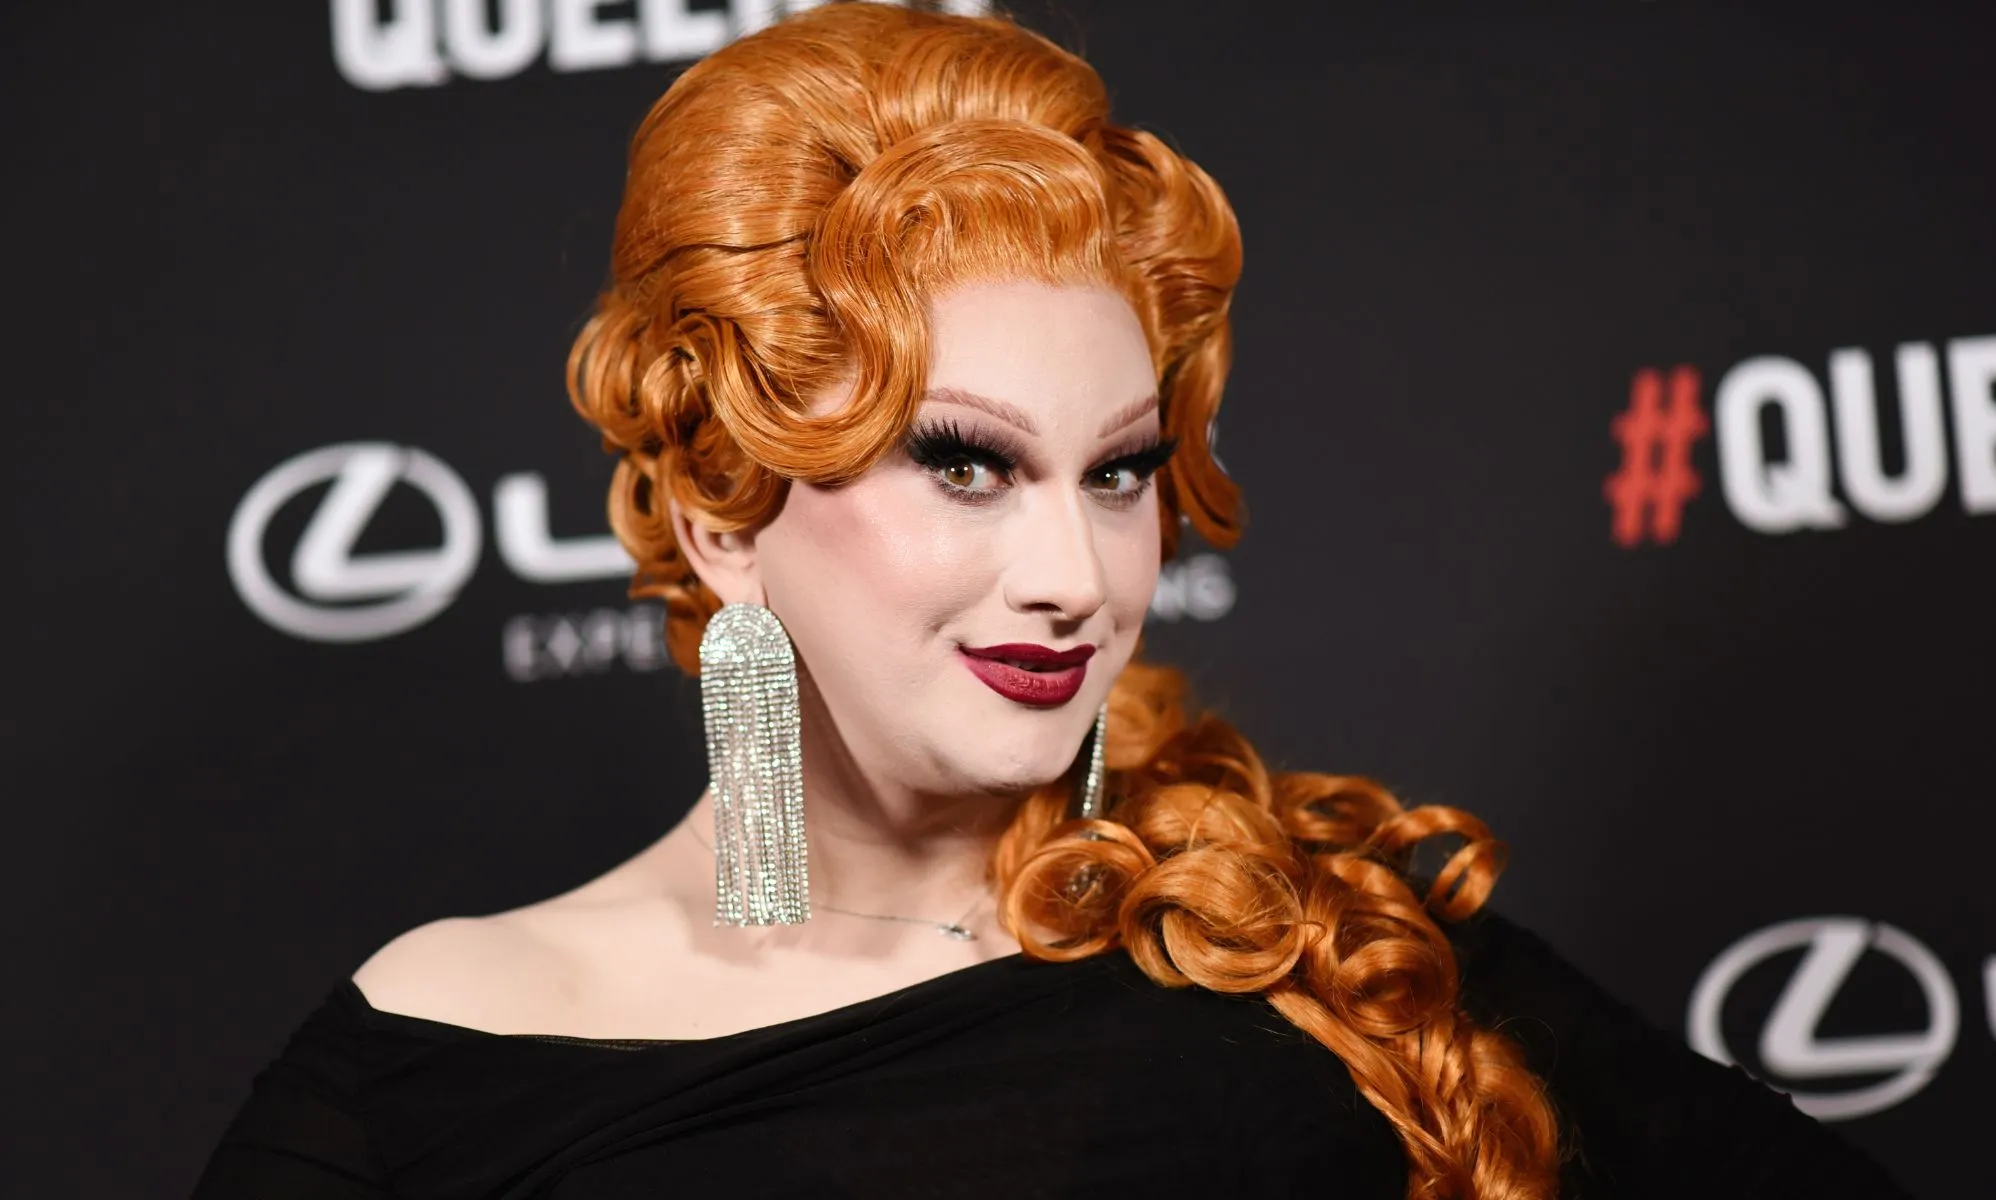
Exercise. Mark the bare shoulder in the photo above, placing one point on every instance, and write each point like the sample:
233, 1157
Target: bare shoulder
568, 963
488, 973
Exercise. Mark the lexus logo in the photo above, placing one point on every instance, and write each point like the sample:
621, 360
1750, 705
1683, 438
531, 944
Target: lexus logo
397, 591
1791, 1048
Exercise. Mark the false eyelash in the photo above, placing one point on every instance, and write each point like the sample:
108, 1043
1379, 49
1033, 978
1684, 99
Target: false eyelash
935, 444
1146, 461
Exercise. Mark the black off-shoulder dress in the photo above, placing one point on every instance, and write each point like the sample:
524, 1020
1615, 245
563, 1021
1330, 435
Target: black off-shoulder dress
1008, 1079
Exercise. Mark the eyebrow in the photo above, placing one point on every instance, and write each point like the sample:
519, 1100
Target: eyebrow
1128, 415
1125, 416
1007, 413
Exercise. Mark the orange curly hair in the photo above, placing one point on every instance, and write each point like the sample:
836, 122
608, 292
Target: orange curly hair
791, 203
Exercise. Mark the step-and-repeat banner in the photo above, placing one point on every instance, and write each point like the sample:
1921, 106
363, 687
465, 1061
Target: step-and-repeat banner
1616, 406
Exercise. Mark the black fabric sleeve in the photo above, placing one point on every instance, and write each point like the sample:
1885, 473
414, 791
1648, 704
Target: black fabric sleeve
300, 1136
1646, 1115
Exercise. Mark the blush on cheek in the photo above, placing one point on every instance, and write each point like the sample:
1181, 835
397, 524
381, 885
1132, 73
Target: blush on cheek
1129, 551
868, 570
926, 565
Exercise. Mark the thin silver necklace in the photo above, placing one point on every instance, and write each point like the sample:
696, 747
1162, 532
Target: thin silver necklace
955, 930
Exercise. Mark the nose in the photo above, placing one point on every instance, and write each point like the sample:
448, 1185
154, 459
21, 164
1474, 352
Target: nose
1055, 567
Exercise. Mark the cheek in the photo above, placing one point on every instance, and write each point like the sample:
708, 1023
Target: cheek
1129, 552
869, 556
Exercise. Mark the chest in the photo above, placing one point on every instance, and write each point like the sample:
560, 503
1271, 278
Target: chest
696, 997
1017, 1120
1014, 1087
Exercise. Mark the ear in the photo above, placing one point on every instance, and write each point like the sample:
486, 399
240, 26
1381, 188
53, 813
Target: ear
725, 562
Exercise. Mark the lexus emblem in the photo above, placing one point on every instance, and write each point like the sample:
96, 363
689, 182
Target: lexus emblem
1790, 1046
344, 597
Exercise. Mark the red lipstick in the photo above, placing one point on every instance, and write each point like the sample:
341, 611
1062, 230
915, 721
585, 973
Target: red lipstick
1028, 673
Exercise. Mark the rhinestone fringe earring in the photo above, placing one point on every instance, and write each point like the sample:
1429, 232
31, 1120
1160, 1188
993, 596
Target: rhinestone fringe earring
755, 759
1092, 783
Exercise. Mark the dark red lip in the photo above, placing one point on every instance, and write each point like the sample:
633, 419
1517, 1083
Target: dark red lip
1031, 652
1030, 673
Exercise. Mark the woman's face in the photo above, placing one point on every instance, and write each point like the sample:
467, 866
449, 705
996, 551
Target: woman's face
962, 608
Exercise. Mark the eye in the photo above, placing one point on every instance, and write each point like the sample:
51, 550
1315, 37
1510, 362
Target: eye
968, 475
969, 467
1123, 480
1115, 479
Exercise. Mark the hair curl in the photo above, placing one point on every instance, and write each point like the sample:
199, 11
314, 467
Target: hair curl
791, 203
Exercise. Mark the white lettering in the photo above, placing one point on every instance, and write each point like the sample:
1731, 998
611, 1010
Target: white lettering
751, 15
1209, 588
1200, 587
1971, 371
644, 638
673, 32
564, 644
1775, 497
581, 39
1989, 990
1855, 404
378, 56
520, 526
400, 49
518, 650
486, 53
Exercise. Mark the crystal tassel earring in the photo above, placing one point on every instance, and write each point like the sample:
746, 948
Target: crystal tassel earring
755, 756
1092, 782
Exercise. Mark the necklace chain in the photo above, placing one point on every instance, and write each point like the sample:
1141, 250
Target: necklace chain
955, 930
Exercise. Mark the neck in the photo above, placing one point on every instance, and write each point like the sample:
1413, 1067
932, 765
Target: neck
860, 862
879, 846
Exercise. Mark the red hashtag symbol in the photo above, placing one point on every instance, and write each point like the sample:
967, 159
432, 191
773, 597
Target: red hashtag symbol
1656, 476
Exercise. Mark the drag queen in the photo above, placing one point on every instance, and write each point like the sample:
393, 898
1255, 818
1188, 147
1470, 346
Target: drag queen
910, 361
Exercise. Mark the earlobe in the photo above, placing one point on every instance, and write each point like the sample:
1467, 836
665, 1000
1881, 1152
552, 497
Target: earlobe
724, 560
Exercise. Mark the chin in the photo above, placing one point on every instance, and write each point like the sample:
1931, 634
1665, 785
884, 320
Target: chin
1028, 768
1010, 787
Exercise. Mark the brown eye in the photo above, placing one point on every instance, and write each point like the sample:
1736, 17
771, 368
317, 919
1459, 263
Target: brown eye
968, 475
965, 469
1113, 479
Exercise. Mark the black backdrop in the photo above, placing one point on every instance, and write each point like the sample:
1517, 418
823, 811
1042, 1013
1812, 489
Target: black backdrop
1742, 759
